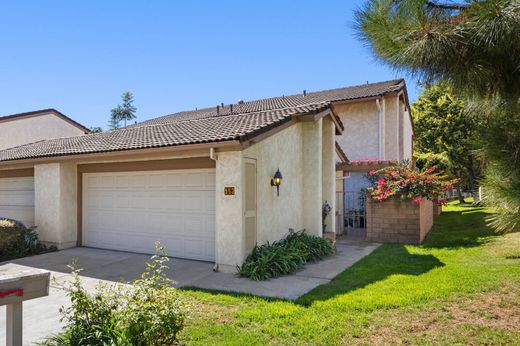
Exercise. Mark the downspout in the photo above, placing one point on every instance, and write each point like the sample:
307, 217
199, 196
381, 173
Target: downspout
399, 134
213, 155
380, 129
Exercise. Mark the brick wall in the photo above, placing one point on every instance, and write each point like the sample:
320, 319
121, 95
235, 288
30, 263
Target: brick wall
396, 221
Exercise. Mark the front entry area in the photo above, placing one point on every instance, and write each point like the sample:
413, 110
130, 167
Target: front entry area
130, 211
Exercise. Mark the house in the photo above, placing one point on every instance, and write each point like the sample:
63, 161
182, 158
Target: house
199, 181
17, 192
379, 132
30, 127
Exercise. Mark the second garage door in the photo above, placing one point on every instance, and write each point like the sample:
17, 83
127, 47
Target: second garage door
17, 199
130, 211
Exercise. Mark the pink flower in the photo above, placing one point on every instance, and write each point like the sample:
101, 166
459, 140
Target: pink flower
381, 181
372, 172
417, 200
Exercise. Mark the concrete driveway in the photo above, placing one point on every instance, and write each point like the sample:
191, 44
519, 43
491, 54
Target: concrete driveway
41, 317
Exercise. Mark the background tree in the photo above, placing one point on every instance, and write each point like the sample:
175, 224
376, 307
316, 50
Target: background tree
473, 46
123, 112
114, 122
443, 130
96, 129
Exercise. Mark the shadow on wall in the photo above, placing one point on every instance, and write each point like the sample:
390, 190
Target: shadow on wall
387, 260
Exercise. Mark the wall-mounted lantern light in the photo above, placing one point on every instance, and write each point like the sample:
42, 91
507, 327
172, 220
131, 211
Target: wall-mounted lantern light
276, 181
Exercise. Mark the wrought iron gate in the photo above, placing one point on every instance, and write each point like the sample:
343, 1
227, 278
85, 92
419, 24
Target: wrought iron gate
351, 212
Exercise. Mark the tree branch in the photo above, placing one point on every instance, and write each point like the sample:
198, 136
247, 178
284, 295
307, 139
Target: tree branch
445, 6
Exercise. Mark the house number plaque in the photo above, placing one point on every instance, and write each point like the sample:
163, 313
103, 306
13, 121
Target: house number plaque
229, 191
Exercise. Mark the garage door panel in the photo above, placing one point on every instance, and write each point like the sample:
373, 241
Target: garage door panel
130, 211
17, 199
210, 180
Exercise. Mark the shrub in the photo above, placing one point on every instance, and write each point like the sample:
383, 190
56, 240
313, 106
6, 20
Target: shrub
147, 312
17, 241
285, 256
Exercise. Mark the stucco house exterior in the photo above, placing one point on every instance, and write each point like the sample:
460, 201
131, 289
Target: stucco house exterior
379, 133
30, 127
17, 191
198, 181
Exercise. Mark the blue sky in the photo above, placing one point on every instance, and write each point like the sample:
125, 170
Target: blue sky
80, 56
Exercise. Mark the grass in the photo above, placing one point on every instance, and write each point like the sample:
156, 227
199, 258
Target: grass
462, 286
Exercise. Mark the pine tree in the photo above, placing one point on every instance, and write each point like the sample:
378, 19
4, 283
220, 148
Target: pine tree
123, 112
128, 110
473, 45
114, 122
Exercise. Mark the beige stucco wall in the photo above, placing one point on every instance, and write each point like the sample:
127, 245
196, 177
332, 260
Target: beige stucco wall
312, 171
361, 136
329, 171
391, 128
229, 230
55, 186
33, 129
276, 214
362, 139
304, 153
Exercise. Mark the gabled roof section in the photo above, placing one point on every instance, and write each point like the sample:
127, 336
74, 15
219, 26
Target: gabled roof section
281, 102
19, 116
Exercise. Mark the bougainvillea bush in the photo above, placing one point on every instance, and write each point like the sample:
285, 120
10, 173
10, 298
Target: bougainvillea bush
409, 184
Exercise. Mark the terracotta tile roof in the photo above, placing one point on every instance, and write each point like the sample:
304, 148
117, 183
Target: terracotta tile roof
281, 102
201, 126
207, 130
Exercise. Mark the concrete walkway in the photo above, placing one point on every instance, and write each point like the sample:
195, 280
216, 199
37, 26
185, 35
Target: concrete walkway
41, 317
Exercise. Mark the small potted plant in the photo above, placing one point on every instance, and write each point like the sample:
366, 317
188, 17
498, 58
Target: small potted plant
325, 211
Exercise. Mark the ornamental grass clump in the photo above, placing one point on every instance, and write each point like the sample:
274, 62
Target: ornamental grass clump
147, 312
409, 184
285, 256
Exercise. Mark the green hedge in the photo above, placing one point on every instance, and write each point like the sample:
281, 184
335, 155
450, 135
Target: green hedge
285, 256
17, 241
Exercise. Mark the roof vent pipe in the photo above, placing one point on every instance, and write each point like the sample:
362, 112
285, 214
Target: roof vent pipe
218, 110
305, 93
230, 108
222, 105
240, 102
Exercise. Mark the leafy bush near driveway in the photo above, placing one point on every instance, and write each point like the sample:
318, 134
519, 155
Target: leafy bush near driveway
149, 312
285, 256
16, 240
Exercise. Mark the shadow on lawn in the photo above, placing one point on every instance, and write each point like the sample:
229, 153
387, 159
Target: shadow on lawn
460, 228
385, 261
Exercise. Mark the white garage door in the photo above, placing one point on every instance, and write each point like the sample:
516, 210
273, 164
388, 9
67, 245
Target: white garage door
130, 211
17, 199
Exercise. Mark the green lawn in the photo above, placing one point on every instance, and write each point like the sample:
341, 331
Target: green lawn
462, 286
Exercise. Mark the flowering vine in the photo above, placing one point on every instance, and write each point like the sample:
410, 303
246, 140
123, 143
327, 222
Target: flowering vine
406, 183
